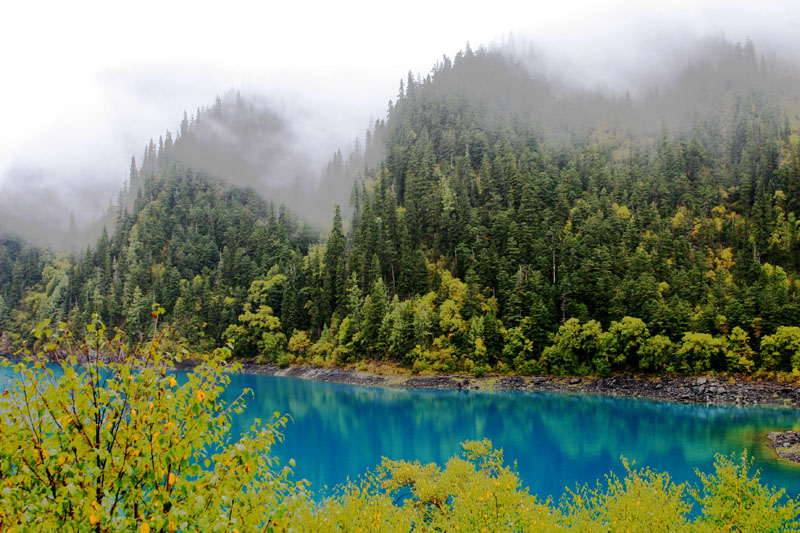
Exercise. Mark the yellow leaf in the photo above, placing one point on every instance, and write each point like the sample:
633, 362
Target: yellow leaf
144, 528
93, 519
172, 478
201, 396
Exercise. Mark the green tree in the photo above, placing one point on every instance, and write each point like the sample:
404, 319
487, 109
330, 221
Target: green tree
124, 446
626, 341
576, 348
258, 330
700, 352
375, 306
333, 289
658, 354
738, 353
781, 350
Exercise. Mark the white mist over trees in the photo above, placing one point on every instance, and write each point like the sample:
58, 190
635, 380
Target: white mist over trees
76, 109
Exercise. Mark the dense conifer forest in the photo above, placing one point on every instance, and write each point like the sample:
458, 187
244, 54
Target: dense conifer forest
496, 222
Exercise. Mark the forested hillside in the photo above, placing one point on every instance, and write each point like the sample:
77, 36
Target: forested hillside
510, 226
182, 238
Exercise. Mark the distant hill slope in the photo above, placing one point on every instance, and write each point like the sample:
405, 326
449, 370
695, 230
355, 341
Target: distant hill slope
553, 207
509, 225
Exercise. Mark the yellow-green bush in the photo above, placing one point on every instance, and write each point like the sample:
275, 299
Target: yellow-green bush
117, 443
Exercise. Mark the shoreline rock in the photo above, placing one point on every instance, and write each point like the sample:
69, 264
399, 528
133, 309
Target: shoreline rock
709, 390
786, 445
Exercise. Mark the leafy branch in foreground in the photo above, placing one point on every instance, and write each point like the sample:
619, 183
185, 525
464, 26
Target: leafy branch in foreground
476, 491
109, 438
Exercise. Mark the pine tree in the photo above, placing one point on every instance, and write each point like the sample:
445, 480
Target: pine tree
333, 289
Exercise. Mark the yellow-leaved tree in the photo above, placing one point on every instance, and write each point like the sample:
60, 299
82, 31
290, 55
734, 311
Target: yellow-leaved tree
98, 436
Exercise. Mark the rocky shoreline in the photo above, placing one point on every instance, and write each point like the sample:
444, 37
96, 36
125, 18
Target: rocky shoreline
682, 389
710, 390
786, 445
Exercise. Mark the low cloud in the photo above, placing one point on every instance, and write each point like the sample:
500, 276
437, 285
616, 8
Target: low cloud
87, 91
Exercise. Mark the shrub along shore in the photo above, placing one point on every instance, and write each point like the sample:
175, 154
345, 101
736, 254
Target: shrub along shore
763, 388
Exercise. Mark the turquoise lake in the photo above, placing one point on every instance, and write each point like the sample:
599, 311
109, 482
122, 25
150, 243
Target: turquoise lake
557, 440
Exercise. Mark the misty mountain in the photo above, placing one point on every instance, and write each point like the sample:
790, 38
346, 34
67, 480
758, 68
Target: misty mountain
511, 89
243, 142
63, 225
246, 143
497, 220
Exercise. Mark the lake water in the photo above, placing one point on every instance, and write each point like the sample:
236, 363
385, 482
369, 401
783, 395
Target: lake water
557, 440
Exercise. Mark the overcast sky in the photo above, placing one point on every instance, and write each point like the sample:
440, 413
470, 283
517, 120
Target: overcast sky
86, 84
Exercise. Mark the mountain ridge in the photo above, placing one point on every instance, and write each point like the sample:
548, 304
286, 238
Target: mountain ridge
507, 227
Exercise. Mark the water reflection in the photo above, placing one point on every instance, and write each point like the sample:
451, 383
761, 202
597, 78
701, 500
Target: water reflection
557, 439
